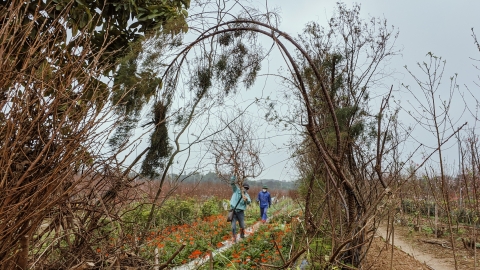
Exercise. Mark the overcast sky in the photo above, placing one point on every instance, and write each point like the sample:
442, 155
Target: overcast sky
440, 27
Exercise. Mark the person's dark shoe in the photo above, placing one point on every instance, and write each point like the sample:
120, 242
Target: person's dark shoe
242, 233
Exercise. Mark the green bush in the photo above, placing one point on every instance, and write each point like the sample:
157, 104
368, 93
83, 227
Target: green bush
422, 207
465, 215
135, 216
177, 212
173, 212
428, 230
281, 218
210, 207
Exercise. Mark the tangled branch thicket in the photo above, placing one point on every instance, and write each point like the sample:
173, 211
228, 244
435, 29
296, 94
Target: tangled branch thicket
58, 191
236, 150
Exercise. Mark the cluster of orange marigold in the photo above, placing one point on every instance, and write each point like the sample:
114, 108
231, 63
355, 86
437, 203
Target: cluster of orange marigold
207, 228
214, 226
267, 256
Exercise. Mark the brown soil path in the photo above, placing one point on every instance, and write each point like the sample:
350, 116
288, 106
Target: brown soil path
429, 259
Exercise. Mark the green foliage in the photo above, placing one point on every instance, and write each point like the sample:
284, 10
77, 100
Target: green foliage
225, 39
258, 248
427, 229
466, 216
106, 22
203, 81
110, 34
133, 89
427, 209
238, 60
173, 212
138, 215
177, 211
116, 29
320, 247
419, 207
347, 102
318, 189
210, 207
123, 130
280, 218
159, 148
334, 50
199, 238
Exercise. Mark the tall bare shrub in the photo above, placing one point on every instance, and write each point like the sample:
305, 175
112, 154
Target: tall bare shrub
54, 122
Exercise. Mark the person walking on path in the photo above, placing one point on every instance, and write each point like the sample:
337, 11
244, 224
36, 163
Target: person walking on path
239, 201
265, 201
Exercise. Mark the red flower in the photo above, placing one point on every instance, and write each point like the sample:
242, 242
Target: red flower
195, 254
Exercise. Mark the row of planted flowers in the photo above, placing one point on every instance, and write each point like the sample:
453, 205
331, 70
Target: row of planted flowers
199, 238
204, 235
268, 246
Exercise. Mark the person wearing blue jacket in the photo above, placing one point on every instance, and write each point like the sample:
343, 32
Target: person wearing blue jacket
265, 201
239, 201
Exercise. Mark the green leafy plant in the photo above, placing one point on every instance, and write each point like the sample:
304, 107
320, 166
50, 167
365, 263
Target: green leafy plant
177, 211
210, 207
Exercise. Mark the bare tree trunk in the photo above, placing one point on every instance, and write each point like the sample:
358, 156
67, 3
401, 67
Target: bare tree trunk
474, 238
22, 256
436, 218
393, 246
354, 253
308, 196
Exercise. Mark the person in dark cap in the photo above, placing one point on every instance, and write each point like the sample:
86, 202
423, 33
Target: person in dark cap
239, 201
265, 201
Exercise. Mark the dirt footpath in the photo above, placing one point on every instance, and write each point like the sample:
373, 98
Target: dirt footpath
419, 254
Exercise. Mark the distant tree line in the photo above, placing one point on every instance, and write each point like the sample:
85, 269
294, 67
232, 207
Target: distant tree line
212, 177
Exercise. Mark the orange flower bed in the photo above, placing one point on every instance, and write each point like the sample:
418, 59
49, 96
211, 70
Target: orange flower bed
199, 237
258, 249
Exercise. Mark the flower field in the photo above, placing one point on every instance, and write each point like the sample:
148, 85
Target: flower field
199, 238
267, 245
